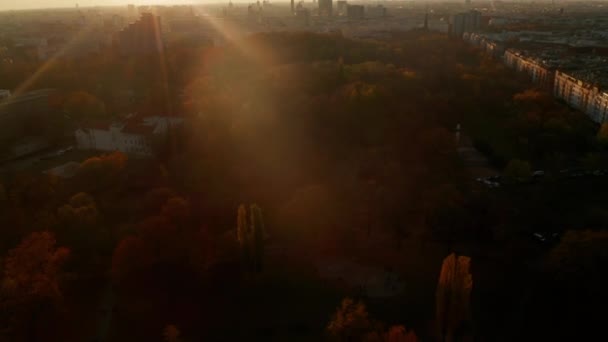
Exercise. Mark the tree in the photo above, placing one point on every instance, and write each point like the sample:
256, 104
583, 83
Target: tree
171, 333
350, 322
518, 171
82, 105
177, 209
156, 198
579, 258
250, 235
398, 333
102, 170
453, 296
574, 272
31, 282
243, 234
257, 230
81, 210
3, 196
130, 257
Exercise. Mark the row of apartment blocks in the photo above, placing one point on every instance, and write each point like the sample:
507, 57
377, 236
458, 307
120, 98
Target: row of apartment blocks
582, 82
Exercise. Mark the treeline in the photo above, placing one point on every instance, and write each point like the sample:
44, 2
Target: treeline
348, 149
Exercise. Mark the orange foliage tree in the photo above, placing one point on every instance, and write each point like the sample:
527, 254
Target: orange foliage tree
453, 295
350, 322
31, 282
398, 333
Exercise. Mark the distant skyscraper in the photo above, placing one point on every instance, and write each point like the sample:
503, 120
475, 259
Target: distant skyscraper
377, 11
325, 7
342, 7
355, 12
465, 22
292, 7
303, 16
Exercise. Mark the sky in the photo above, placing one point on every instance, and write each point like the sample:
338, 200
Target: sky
27, 4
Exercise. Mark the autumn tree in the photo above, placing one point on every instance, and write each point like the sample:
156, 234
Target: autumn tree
156, 198
31, 282
250, 235
80, 229
164, 245
258, 232
101, 171
81, 210
398, 333
453, 296
350, 322
82, 105
130, 258
574, 273
171, 333
243, 234
579, 259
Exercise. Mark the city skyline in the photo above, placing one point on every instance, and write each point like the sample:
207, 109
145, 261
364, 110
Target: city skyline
41, 4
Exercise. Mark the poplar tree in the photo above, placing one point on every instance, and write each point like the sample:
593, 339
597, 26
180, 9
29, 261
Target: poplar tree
453, 295
242, 232
257, 232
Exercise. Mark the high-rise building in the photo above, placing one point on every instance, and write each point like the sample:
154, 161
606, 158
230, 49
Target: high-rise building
342, 7
303, 16
378, 11
292, 7
355, 12
465, 22
325, 8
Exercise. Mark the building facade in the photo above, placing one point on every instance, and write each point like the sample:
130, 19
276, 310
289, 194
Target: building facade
133, 137
355, 12
326, 8
582, 95
540, 73
377, 11
465, 22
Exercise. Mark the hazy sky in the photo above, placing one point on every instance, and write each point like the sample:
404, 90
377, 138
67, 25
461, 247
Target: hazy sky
19, 4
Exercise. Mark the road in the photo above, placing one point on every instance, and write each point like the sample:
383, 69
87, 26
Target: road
475, 161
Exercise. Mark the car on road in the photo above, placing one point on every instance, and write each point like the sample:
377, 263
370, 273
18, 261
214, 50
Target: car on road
544, 237
538, 174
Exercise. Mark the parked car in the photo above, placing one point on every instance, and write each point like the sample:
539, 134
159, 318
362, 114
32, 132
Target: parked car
544, 237
538, 174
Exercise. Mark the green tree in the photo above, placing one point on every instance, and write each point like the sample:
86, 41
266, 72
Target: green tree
518, 171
